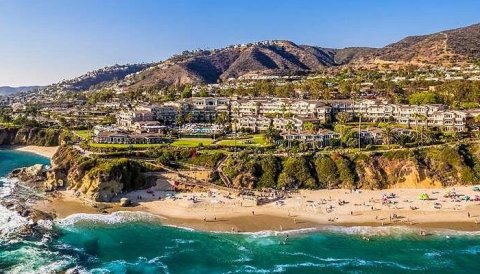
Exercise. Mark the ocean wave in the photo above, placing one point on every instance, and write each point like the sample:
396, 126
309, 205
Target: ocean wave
7, 186
142, 265
326, 263
366, 231
119, 217
35, 259
10, 222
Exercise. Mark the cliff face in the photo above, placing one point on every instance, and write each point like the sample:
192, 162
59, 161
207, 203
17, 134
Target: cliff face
431, 167
97, 179
29, 136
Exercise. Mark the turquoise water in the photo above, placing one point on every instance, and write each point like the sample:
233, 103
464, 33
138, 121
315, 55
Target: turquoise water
10, 159
138, 243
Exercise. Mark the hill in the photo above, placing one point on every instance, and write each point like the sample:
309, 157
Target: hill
5, 90
280, 57
104, 77
248, 60
442, 48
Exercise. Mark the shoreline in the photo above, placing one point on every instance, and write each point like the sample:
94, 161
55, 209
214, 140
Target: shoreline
46, 152
232, 215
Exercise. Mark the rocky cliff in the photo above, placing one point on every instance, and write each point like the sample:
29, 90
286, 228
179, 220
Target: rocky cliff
432, 167
97, 179
30, 136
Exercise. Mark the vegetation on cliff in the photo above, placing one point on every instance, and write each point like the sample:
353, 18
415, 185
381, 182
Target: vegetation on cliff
96, 178
172, 155
14, 135
445, 165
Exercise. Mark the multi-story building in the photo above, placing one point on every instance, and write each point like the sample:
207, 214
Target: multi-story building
128, 118
280, 108
260, 113
321, 138
205, 109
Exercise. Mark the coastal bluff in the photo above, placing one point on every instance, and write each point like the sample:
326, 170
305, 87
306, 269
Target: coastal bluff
95, 178
429, 167
30, 136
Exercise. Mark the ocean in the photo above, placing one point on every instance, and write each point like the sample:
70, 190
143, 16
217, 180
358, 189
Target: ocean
139, 243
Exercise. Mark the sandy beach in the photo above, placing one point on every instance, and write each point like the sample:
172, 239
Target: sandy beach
218, 211
40, 150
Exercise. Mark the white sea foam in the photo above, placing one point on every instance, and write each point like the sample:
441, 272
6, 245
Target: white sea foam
10, 221
35, 259
367, 231
120, 266
119, 217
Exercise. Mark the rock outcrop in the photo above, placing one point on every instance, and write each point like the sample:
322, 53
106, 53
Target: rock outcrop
124, 202
97, 179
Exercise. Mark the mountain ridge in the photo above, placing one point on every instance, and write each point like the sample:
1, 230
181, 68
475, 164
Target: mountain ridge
282, 57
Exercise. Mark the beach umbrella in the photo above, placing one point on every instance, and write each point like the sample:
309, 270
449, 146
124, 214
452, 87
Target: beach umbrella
424, 196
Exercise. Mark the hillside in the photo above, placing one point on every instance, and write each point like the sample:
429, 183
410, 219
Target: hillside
280, 57
5, 90
262, 58
103, 77
442, 48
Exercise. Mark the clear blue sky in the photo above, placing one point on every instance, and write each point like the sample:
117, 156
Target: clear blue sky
45, 41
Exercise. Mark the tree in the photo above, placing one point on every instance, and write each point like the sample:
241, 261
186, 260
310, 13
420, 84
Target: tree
272, 134
189, 117
327, 172
387, 131
187, 92
180, 118
345, 171
296, 173
310, 127
343, 117
270, 168
289, 127
342, 130
221, 118
423, 98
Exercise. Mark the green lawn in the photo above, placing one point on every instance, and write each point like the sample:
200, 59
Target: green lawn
192, 142
256, 140
84, 134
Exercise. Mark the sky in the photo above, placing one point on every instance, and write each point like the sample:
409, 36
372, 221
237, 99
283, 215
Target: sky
45, 41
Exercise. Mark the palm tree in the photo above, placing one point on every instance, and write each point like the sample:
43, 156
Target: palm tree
359, 131
283, 110
387, 130
289, 126
423, 118
271, 135
236, 110
417, 118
